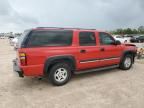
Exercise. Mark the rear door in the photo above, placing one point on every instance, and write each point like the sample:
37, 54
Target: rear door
88, 51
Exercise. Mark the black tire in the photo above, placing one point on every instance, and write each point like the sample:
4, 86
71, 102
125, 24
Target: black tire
123, 65
54, 74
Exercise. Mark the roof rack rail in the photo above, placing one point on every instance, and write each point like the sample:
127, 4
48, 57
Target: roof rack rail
67, 28
51, 27
86, 29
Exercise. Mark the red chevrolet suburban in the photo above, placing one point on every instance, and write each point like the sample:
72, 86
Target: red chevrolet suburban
57, 53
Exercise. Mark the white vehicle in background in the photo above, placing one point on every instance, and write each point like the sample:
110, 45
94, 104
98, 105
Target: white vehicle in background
2, 37
122, 39
128, 37
10, 38
15, 42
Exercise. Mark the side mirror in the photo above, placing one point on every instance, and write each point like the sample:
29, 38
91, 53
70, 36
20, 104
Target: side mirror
117, 42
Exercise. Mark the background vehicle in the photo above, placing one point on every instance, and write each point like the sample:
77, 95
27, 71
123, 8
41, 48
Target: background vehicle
2, 37
140, 39
10, 40
57, 53
137, 39
134, 39
122, 39
15, 42
128, 37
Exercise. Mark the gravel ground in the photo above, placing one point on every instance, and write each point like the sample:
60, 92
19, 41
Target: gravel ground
106, 89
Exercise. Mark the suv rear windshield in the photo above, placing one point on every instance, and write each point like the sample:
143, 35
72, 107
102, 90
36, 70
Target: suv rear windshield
50, 38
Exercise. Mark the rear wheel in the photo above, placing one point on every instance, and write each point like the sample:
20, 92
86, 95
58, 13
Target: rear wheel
126, 62
60, 74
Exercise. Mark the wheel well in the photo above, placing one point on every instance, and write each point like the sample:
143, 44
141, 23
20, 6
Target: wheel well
129, 53
69, 61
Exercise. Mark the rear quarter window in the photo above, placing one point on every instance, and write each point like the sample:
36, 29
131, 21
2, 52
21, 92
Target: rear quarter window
21, 39
50, 38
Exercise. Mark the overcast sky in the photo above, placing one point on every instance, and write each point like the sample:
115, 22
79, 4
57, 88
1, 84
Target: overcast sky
18, 15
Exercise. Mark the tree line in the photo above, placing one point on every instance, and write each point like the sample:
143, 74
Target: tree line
139, 30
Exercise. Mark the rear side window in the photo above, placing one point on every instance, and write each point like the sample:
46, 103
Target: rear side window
50, 38
87, 39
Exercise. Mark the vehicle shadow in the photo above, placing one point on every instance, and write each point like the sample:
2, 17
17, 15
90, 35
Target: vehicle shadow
31, 82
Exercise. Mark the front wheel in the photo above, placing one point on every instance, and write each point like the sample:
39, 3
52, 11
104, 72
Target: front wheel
60, 74
126, 62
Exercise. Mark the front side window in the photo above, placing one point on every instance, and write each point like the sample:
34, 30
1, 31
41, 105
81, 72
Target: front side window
50, 38
106, 39
87, 39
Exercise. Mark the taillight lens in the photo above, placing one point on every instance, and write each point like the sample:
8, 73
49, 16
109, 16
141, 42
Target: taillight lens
22, 57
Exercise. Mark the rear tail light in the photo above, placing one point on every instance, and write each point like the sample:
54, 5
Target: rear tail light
22, 57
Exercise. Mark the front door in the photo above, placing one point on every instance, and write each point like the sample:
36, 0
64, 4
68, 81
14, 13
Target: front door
110, 53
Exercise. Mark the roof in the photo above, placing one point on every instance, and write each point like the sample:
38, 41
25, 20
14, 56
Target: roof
60, 28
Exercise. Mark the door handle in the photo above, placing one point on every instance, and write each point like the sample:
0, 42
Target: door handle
102, 49
82, 51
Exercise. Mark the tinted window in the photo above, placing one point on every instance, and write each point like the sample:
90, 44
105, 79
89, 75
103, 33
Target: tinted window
87, 39
50, 38
141, 37
22, 37
106, 39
